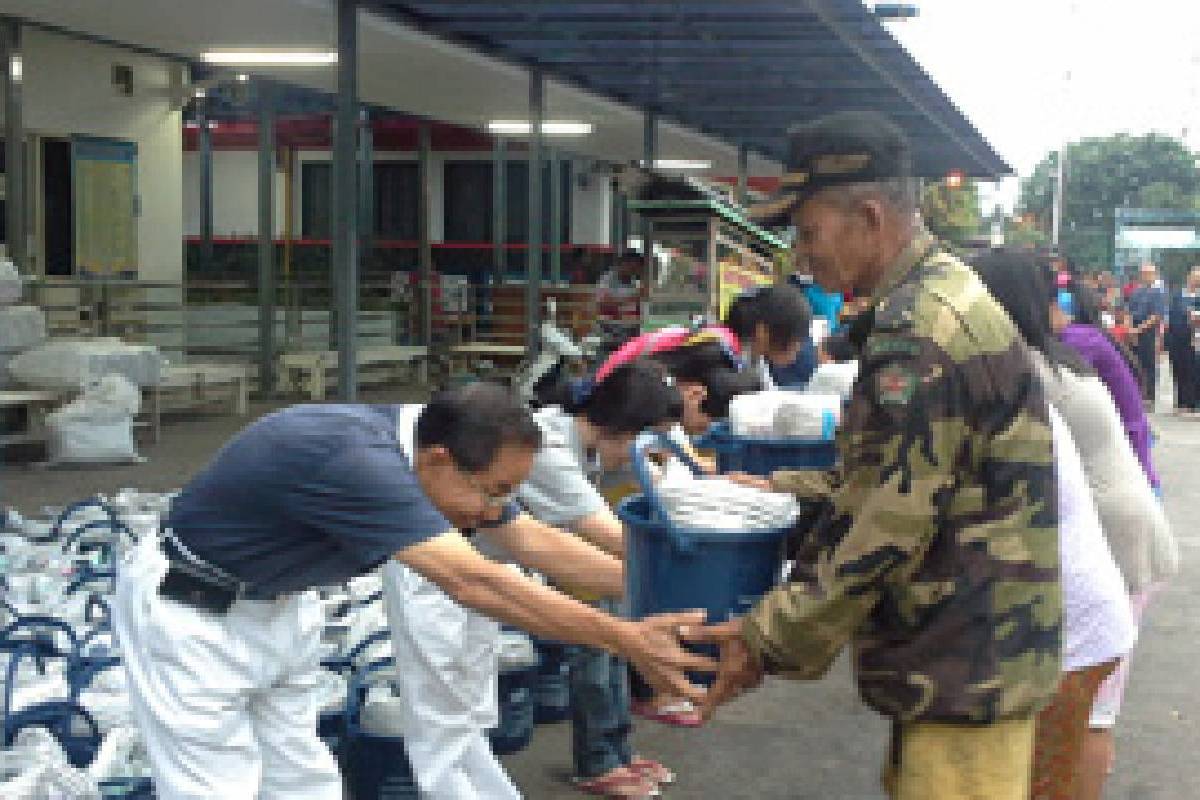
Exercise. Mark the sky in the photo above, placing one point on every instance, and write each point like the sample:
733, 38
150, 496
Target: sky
1032, 73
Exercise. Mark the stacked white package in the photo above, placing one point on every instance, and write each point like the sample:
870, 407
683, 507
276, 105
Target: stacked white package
714, 503
782, 414
97, 426
72, 363
21, 327
12, 284
833, 378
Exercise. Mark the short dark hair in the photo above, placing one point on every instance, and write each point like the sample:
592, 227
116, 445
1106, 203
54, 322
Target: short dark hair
474, 421
782, 308
709, 364
632, 398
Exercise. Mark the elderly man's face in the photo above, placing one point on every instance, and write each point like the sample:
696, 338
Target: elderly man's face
835, 242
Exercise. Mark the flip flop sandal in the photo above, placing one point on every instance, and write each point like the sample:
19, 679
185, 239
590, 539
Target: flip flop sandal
680, 715
652, 770
618, 785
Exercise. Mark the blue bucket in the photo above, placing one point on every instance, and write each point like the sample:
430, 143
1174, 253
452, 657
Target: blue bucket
552, 691
515, 731
669, 568
764, 456
375, 767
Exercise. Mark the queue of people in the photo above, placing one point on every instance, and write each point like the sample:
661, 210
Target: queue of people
985, 544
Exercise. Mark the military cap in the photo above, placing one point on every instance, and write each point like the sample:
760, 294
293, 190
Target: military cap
845, 147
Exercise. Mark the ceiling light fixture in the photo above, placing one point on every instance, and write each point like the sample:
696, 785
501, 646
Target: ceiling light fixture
516, 127
271, 58
681, 164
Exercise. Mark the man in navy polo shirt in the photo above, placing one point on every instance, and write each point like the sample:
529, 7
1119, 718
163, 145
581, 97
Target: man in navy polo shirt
220, 631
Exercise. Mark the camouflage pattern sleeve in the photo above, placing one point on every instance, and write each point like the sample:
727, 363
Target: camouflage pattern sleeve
901, 435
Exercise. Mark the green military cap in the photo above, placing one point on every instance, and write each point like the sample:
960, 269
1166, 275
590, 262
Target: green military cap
841, 148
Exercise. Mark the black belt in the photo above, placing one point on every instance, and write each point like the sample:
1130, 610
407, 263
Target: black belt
195, 582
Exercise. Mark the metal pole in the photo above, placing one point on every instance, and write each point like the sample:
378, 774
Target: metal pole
425, 253
266, 242
650, 156
1057, 211
533, 268
556, 217
499, 208
204, 135
344, 261
14, 139
743, 174
618, 237
366, 182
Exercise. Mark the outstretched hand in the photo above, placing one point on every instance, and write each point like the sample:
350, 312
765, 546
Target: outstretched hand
653, 647
739, 671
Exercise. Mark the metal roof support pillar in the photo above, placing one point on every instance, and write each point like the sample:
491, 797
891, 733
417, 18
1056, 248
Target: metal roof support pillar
14, 139
266, 241
424, 244
204, 147
533, 264
743, 174
499, 209
366, 182
616, 235
556, 217
649, 156
344, 261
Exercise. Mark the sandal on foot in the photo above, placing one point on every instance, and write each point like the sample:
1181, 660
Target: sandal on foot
618, 784
652, 770
682, 714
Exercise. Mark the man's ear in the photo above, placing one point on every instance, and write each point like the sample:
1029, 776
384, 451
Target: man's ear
873, 213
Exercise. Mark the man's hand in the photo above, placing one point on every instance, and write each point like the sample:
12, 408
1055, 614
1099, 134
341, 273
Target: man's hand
740, 669
652, 646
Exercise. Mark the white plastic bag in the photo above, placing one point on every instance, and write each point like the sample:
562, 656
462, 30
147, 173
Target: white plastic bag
12, 285
98, 425
783, 414
833, 378
21, 327
714, 503
71, 363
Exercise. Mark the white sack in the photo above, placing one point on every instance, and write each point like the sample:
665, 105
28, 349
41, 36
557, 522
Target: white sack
69, 364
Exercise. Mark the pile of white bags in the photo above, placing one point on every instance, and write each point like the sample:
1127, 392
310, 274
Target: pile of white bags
97, 426
71, 363
833, 378
783, 414
21, 327
12, 285
715, 503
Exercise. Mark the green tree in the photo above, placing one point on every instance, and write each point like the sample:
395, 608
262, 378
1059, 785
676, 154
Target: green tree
952, 212
1102, 174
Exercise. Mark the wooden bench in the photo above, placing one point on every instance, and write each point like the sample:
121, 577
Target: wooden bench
194, 386
307, 371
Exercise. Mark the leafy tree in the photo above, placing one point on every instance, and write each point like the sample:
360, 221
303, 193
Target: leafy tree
1102, 174
952, 212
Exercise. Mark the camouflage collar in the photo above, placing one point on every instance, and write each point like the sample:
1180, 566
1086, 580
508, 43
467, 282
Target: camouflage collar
918, 249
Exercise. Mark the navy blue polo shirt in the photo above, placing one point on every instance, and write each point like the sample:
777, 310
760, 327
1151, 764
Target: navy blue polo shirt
308, 496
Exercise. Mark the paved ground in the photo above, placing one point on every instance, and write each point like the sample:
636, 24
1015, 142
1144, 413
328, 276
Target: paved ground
806, 740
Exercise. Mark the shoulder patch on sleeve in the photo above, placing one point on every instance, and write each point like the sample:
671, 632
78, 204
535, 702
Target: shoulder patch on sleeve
895, 385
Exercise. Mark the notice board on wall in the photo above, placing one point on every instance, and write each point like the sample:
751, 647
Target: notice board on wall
105, 189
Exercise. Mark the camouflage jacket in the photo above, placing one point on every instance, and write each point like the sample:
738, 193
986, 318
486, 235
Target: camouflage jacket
937, 556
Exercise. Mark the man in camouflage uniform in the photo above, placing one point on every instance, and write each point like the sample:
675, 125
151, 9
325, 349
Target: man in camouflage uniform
937, 555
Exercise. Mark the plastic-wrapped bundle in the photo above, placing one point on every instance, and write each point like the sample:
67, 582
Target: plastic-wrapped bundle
833, 378
720, 504
39, 770
21, 327
69, 364
12, 285
96, 426
783, 414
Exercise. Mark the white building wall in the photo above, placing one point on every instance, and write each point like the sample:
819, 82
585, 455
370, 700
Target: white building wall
235, 194
68, 90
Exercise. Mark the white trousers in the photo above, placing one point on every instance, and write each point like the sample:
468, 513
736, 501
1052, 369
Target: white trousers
445, 658
226, 703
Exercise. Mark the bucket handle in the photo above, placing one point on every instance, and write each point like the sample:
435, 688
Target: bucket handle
642, 446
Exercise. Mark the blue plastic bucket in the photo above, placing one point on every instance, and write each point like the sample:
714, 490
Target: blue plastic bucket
764, 456
669, 568
552, 691
374, 767
515, 731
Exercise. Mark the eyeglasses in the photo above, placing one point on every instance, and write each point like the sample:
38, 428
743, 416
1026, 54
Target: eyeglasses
490, 498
